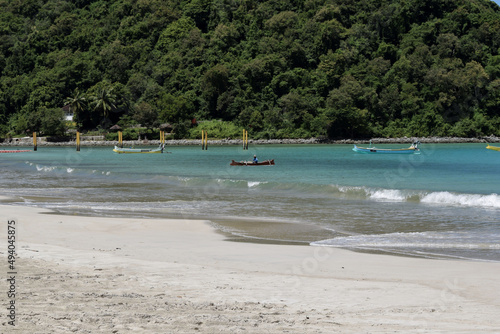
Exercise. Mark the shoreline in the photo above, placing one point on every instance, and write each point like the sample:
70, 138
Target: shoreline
254, 231
42, 141
121, 275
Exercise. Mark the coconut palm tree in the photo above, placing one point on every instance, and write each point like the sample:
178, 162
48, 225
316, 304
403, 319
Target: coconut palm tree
104, 102
77, 102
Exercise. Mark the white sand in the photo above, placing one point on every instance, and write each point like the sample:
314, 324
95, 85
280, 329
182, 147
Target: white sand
106, 275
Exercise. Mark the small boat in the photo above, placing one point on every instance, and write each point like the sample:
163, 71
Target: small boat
251, 163
138, 150
410, 150
494, 148
14, 151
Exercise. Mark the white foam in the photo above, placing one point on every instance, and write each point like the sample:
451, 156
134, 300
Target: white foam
387, 194
45, 168
253, 184
445, 197
415, 240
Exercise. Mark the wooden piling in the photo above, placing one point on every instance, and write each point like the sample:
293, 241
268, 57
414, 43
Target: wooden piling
34, 142
120, 139
204, 140
78, 141
245, 139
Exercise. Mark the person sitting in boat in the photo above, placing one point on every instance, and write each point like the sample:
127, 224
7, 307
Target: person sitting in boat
255, 160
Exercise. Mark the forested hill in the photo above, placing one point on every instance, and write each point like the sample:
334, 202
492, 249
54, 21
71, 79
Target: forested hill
287, 68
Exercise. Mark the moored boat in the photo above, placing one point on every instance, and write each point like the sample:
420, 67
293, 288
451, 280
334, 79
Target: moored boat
138, 150
251, 163
410, 150
494, 148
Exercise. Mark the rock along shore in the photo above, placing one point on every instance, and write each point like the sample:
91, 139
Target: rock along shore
42, 141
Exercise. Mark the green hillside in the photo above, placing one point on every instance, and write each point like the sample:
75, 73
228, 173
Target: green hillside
281, 69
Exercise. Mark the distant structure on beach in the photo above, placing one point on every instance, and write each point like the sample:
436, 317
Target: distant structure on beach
68, 114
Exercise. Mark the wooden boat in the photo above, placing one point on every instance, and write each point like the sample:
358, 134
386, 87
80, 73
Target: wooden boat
410, 150
14, 151
494, 148
251, 163
138, 150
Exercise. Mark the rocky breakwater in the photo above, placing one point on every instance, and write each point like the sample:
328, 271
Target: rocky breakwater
423, 140
99, 141
93, 141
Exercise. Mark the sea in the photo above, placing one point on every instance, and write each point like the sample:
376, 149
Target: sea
441, 203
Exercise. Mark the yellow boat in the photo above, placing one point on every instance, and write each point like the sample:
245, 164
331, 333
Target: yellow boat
494, 148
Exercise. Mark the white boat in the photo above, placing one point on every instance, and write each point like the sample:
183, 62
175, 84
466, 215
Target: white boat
138, 150
410, 150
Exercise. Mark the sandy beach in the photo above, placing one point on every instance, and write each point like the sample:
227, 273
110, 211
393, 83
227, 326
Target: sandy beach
111, 275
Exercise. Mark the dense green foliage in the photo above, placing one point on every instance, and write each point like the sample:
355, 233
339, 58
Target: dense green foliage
289, 68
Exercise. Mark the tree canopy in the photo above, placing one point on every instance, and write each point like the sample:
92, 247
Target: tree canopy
291, 68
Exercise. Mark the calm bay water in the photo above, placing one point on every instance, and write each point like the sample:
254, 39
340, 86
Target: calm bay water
443, 202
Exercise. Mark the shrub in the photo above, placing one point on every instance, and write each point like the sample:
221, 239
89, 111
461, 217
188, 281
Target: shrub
216, 130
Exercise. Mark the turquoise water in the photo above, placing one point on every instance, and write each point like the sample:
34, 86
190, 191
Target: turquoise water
443, 202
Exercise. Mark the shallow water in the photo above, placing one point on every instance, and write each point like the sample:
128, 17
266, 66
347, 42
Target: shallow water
443, 202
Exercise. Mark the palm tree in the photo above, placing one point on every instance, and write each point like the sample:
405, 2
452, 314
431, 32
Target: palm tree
77, 103
104, 101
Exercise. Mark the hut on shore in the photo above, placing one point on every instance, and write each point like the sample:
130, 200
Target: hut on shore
115, 128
